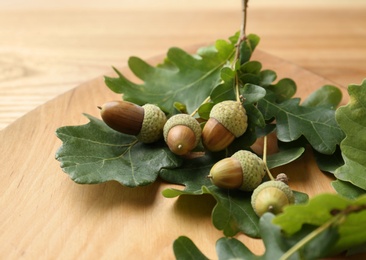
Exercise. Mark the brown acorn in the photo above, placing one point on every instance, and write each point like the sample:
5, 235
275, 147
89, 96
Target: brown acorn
227, 174
182, 133
145, 122
244, 170
228, 120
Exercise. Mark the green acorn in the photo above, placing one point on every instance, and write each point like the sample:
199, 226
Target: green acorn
271, 196
244, 170
145, 122
182, 133
228, 120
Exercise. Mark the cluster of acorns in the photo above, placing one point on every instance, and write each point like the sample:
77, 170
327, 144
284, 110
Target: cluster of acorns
182, 133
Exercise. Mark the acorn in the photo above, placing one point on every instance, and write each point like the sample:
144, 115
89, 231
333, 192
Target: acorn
182, 133
145, 122
244, 170
271, 196
228, 120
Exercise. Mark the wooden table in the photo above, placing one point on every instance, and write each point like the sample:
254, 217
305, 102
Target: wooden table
45, 53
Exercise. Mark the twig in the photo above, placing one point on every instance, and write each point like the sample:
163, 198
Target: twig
242, 37
265, 158
204, 101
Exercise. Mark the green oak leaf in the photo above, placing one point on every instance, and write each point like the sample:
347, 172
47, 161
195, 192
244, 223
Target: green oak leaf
247, 139
176, 79
247, 47
249, 90
284, 89
185, 249
233, 212
249, 73
181, 108
193, 180
329, 162
316, 212
249, 78
251, 67
252, 93
317, 124
231, 248
94, 153
323, 208
347, 189
204, 110
327, 96
352, 120
266, 130
284, 157
267, 77
275, 242
255, 116
327, 225
224, 90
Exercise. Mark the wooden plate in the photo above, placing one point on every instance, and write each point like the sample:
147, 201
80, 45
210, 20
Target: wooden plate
45, 215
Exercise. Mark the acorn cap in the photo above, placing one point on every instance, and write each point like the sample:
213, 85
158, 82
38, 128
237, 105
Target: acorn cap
152, 125
186, 120
279, 195
232, 115
253, 169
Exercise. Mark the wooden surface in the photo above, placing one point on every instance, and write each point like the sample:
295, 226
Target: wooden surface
44, 53
44, 215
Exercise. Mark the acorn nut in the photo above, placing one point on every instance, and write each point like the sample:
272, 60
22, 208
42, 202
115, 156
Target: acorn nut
227, 174
182, 133
244, 170
228, 120
271, 196
145, 122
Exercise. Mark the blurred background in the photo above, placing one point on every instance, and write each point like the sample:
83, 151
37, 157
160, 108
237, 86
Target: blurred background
48, 47
168, 4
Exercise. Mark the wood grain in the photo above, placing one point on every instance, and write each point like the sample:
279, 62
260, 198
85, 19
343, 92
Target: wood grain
44, 215
44, 53
51, 67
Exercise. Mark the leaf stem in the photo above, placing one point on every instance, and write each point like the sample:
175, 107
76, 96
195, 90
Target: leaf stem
237, 93
311, 236
204, 102
336, 220
265, 158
